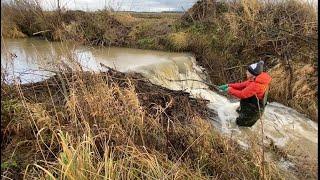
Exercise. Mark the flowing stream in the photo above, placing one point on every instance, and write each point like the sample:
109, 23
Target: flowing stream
30, 59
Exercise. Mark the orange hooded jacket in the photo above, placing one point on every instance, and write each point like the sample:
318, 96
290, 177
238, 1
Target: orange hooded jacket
249, 88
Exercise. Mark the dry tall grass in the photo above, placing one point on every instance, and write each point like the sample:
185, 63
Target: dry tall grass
303, 89
117, 126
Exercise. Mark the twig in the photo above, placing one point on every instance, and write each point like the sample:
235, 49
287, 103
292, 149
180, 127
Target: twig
262, 138
105, 66
299, 36
179, 80
41, 32
235, 67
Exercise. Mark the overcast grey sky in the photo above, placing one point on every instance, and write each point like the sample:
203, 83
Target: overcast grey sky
128, 5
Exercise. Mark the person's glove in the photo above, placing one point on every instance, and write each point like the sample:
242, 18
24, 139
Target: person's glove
223, 88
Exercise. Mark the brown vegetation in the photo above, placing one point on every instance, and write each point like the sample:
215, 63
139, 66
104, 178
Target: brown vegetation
301, 93
80, 124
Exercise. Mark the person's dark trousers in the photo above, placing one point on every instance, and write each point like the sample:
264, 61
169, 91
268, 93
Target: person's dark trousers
248, 115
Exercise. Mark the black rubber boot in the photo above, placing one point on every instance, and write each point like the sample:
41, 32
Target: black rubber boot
246, 121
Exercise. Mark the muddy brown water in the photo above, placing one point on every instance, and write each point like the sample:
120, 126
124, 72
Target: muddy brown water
31, 60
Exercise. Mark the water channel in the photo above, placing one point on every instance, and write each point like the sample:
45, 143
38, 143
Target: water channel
31, 60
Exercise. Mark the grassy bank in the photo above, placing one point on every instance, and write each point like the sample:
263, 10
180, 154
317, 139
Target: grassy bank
224, 36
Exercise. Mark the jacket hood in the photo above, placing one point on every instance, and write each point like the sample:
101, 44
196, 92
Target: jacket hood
263, 78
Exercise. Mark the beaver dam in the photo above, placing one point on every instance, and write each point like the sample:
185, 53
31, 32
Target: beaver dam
71, 111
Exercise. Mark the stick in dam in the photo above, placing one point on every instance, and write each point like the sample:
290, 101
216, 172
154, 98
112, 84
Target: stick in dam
209, 84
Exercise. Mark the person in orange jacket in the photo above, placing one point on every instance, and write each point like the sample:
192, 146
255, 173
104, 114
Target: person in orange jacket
252, 94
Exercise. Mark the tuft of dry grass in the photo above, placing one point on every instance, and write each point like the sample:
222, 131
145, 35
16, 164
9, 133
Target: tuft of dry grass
303, 88
11, 31
178, 41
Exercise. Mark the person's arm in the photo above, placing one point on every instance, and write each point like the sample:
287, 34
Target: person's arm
244, 93
238, 86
